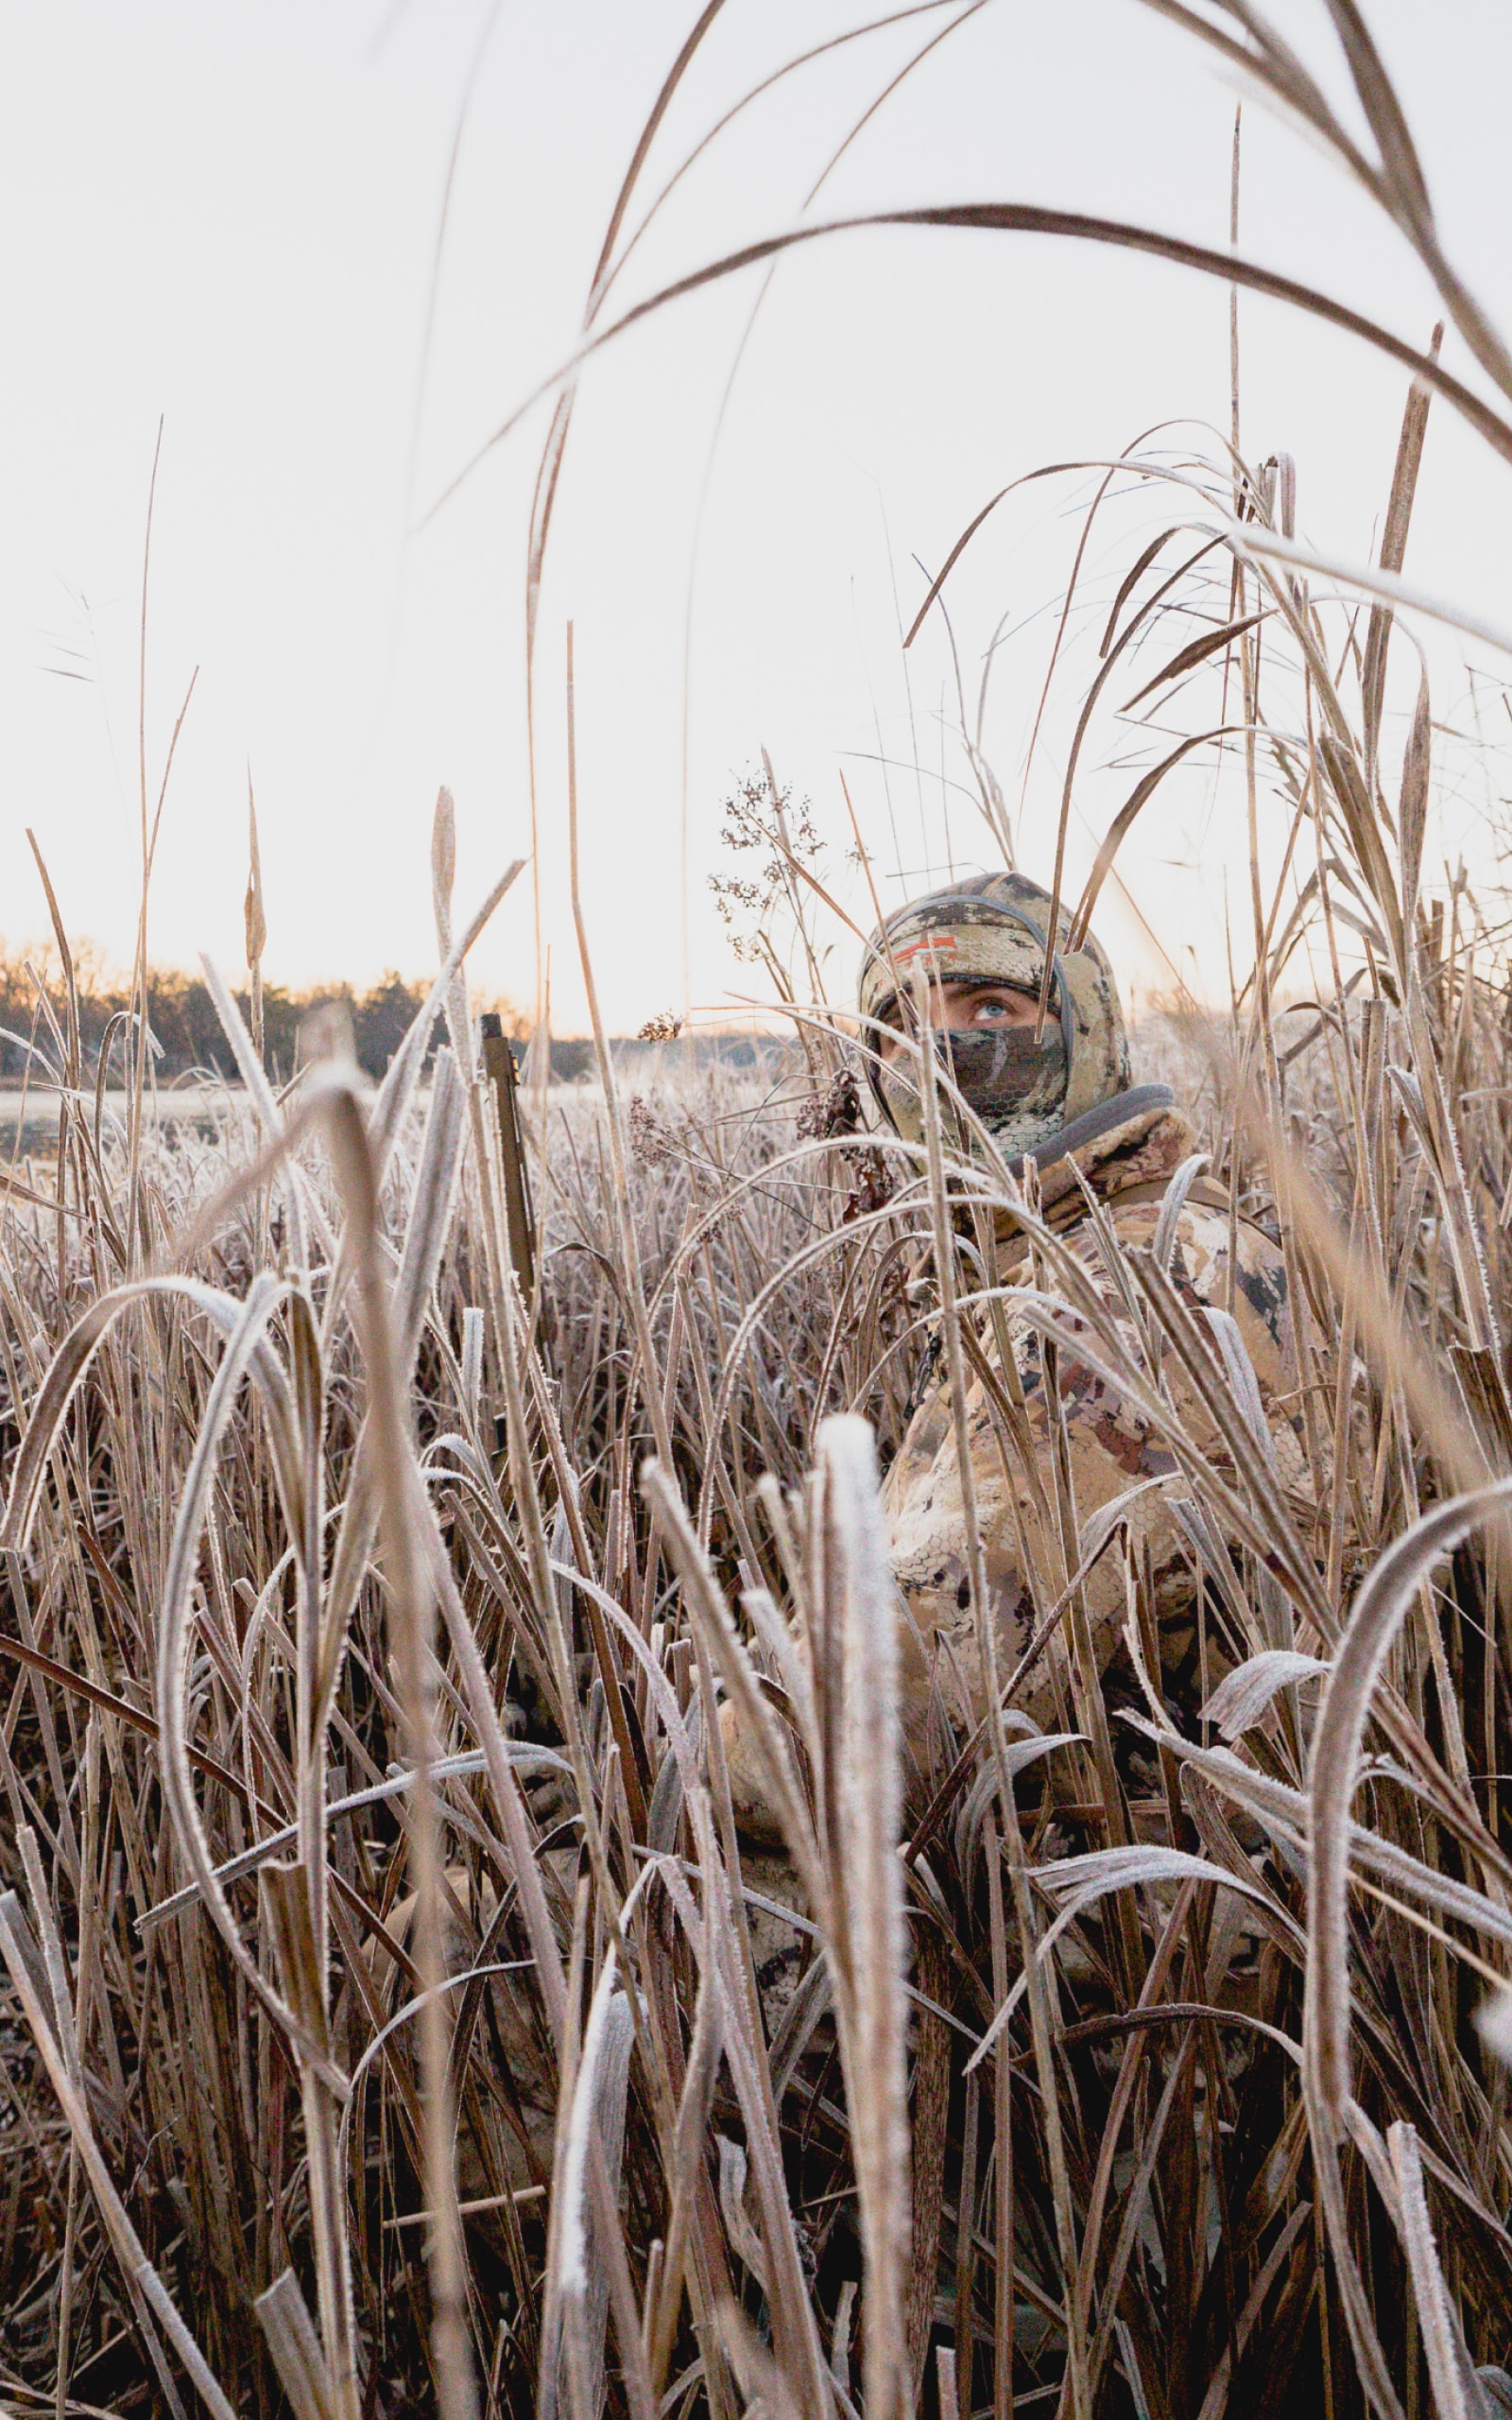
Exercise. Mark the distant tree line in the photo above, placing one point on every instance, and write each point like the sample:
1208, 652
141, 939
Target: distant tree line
183, 1022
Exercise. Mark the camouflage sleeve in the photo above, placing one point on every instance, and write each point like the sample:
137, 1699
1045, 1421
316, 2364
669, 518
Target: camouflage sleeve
1030, 1527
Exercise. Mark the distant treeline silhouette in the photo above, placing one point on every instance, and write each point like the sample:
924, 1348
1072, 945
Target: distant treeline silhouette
183, 1024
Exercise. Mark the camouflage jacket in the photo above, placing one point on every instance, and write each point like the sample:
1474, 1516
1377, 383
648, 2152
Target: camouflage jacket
1024, 1520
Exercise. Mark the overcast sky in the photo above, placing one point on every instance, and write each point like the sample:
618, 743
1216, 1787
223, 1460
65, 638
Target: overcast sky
228, 217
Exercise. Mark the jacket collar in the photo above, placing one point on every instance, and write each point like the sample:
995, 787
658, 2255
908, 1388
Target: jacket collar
1145, 1144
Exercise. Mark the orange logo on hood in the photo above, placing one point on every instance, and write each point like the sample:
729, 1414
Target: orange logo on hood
933, 945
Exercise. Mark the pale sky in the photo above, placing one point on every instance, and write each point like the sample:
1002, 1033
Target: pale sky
227, 217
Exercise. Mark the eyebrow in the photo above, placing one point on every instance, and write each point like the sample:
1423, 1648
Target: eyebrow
969, 983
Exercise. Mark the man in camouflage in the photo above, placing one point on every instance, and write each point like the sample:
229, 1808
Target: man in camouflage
1102, 1162
1096, 1155
1099, 1155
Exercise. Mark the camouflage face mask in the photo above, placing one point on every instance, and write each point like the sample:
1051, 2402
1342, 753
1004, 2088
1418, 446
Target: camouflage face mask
1015, 1085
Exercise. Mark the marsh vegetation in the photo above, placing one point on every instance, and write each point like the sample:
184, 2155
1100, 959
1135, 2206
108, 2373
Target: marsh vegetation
383, 2032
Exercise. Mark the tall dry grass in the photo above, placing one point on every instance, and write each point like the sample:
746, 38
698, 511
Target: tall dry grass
384, 2028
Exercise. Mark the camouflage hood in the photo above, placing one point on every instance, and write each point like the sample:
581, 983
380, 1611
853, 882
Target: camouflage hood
1030, 1096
